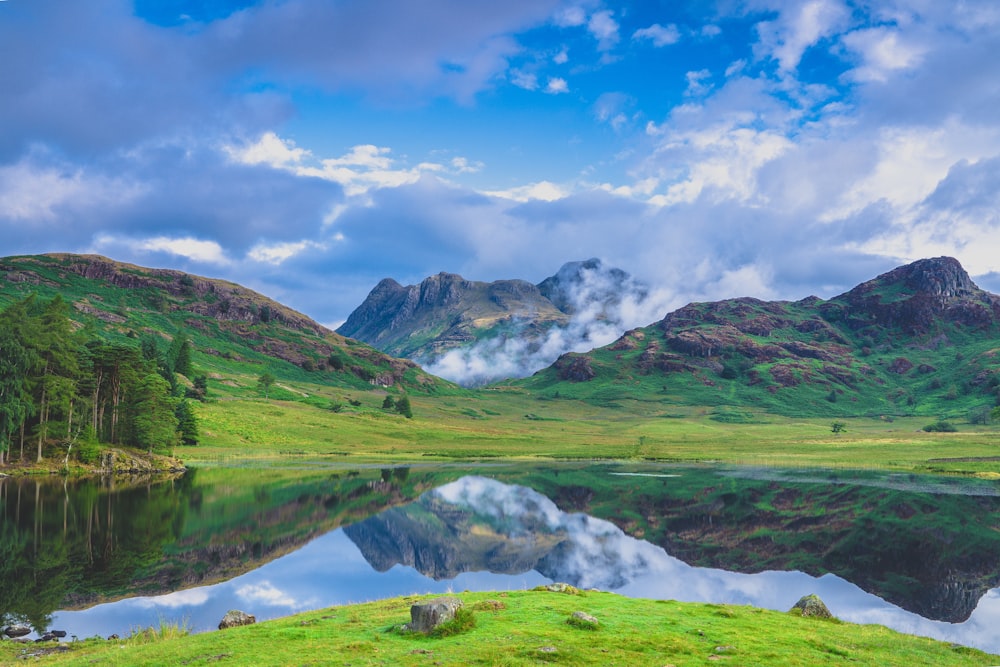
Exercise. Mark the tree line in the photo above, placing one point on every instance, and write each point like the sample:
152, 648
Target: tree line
64, 390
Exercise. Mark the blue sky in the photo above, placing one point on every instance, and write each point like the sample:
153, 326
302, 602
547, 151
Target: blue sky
309, 148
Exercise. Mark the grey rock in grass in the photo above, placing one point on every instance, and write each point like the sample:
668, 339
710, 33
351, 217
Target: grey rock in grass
811, 605
427, 615
582, 619
235, 618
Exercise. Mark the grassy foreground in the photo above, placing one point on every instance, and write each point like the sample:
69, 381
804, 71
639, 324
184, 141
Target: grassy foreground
526, 628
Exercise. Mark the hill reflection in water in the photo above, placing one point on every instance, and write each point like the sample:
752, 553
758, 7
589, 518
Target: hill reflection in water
480, 534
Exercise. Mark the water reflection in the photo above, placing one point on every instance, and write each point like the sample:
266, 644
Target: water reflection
480, 534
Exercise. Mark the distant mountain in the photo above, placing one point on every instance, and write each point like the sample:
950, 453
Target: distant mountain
227, 323
456, 327
921, 339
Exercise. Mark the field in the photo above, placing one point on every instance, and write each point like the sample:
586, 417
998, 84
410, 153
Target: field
523, 628
302, 419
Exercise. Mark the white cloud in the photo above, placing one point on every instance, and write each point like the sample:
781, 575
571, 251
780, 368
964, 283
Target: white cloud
604, 28
278, 253
911, 162
659, 35
192, 597
696, 87
798, 27
31, 192
561, 58
522, 79
266, 593
882, 51
722, 161
556, 86
570, 17
542, 191
197, 250
269, 149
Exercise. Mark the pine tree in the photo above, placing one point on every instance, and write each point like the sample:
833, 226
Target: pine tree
187, 423
154, 425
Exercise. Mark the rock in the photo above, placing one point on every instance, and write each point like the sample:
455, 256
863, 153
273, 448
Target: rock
16, 630
58, 633
811, 605
583, 620
427, 615
558, 587
235, 618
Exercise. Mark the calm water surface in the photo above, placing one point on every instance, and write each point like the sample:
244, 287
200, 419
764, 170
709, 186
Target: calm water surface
95, 559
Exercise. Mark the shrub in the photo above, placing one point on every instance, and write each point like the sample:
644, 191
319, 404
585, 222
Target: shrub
940, 427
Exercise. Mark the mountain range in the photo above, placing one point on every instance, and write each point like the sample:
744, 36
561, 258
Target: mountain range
475, 332
921, 339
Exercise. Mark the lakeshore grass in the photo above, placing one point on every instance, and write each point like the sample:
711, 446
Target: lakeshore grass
516, 424
527, 628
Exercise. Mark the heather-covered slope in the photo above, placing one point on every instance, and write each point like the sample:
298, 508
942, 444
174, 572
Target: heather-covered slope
921, 339
230, 327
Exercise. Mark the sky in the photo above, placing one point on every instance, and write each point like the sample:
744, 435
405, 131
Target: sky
309, 148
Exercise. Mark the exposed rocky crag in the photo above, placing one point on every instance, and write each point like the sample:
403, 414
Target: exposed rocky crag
446, 311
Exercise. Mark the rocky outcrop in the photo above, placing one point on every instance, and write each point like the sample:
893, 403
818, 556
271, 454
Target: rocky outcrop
812, 606
914, 298
426, 616
235, 618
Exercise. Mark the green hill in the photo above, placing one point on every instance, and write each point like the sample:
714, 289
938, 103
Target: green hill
232, 329
919, 340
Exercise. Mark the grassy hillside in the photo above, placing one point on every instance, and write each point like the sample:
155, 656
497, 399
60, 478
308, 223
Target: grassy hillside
922, 340
525, 628
233, 329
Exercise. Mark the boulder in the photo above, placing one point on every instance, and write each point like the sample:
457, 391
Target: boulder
427, 615
235, 618
582, 619
811, 605
17, 630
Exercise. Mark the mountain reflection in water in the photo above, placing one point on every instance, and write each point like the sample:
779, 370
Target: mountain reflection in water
480, 534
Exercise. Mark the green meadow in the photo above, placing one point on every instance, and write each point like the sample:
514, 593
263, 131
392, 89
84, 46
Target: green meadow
310, 420
521, 628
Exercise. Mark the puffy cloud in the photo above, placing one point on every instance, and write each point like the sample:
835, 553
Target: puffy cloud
659, 35
556, 86
798, 27
604, 28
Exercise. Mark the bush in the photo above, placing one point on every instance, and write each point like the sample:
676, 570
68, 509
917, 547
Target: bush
940, 427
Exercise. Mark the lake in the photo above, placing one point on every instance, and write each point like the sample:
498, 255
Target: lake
920, 554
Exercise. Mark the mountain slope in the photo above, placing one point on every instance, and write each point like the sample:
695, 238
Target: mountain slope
229, 326
472, 332
446, 311
921, 339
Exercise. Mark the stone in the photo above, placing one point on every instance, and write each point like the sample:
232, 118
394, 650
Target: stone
427, 615
582, 619
235, 618
811, 605
17, 630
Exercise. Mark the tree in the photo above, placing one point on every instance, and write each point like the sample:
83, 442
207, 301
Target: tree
15, 398
838, 427
265, 381
403, 407
179, 356
187, 423
389, 403
154, 425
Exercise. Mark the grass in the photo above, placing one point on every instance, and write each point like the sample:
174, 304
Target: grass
530, 628
518, 424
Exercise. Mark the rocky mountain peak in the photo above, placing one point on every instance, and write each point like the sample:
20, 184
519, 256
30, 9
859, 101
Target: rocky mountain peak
941, 277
